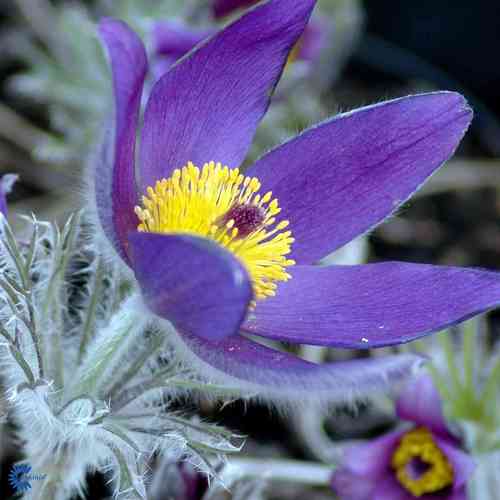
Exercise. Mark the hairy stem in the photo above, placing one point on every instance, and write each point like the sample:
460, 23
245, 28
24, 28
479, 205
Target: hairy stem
290, 471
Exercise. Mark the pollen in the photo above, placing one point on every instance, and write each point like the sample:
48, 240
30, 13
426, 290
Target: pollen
225, 206
420, 466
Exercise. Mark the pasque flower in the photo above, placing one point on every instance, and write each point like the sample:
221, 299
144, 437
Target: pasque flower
424, 461
221, 254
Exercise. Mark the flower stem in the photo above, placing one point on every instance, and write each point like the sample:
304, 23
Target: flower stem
294, 471
100, 365
88, 329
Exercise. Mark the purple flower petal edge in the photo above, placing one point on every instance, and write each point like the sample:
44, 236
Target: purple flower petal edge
340, 178
314, 39
388, 488
193, 282
222, 8
208, 105
372, 305
462, 463
362, 467
175, 39
6, 183
285, 376
421, 403
129, 66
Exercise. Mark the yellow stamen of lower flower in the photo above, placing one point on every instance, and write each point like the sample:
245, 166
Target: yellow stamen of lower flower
420, 466
222, 204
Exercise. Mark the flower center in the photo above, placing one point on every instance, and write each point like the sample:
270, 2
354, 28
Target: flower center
221, 204
246, 218
420, 466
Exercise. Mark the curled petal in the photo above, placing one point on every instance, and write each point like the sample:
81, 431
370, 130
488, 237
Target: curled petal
194, 283
421, 403
208, 105
254, 367
372, 459
462, 463
116, 193
372, 305
340, 178
363, 466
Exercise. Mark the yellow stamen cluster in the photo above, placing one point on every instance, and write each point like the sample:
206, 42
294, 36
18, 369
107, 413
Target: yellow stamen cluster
419, 444
200, 202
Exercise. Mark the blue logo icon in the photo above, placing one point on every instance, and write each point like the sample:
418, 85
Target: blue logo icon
20, 477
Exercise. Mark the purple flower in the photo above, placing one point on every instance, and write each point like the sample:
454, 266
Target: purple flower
424, 462
221, 255
6, 183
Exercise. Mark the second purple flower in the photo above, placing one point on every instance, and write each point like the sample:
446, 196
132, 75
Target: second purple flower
425, 461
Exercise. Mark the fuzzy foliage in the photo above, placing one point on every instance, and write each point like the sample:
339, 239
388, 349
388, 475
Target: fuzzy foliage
90, 381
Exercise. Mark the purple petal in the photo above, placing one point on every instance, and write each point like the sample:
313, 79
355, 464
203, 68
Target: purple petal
372, 305
349, 486
372, 459
462, 463
194, 283
195, 482
116, 199
421, 403
286, 376
459, 495
6, 183
314, 39
222, 8
364, 466
174, 39
388, 488
208, 106
340, 178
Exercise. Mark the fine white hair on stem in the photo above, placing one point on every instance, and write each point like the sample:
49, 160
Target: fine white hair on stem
89, 379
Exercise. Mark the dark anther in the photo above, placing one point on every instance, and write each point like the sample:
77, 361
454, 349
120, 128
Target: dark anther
247, 218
